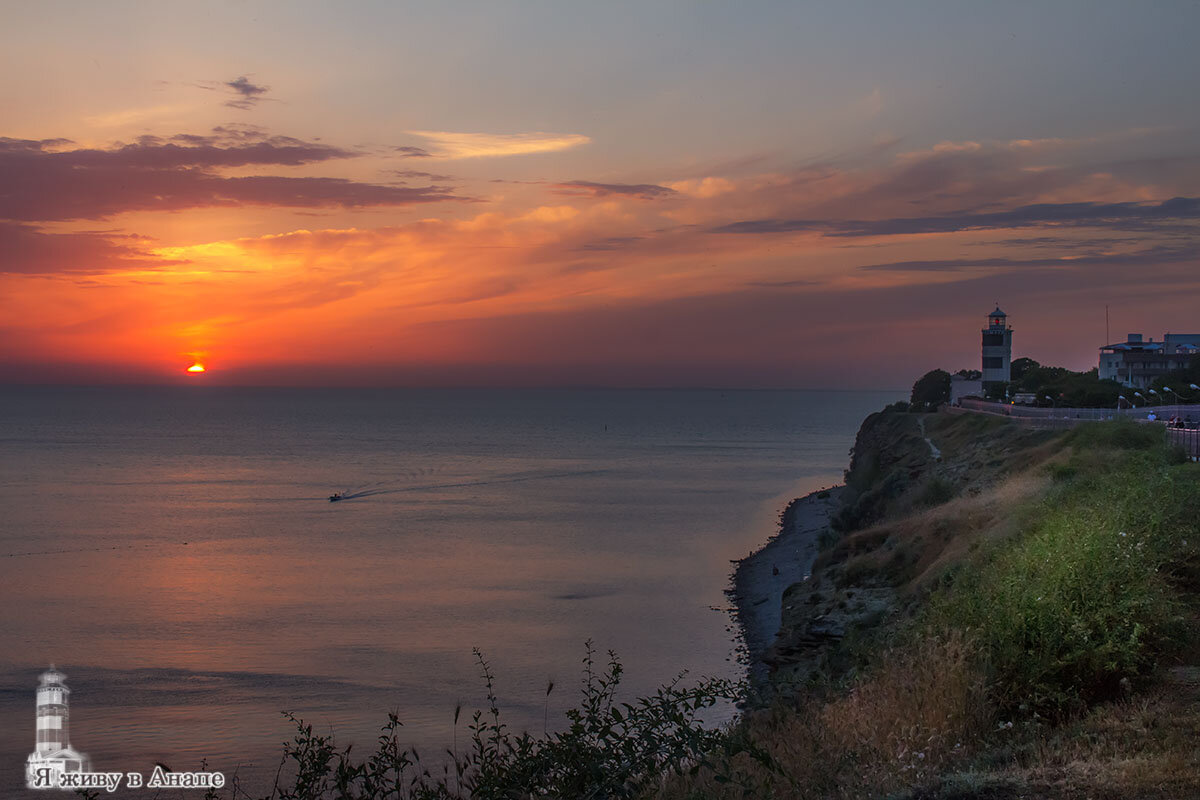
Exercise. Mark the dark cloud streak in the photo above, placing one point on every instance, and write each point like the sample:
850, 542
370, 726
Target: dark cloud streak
42, 181
1159, 254
249, 94
185, 150
790, 284
428, 176
409, 151
26, 250
1117, 216
644, 191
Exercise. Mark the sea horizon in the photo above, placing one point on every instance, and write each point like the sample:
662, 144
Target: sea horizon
209, 386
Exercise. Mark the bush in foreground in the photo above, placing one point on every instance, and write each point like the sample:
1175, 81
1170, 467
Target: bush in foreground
609, 749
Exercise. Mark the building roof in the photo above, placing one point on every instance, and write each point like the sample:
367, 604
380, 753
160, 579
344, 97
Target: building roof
1141, 346
997, 313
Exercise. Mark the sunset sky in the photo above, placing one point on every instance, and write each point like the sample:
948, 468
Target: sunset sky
761, 194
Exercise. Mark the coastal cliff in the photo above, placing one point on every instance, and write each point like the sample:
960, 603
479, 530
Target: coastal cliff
882, 544
988, 611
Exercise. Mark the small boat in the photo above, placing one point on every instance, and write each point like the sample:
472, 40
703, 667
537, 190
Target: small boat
333, 498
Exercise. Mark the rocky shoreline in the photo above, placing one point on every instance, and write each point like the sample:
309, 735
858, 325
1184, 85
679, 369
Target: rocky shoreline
760, 579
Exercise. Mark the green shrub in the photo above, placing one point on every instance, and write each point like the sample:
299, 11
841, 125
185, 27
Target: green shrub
608, 750
931, 390
934, 492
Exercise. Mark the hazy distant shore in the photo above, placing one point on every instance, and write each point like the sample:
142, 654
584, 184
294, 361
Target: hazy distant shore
760, 579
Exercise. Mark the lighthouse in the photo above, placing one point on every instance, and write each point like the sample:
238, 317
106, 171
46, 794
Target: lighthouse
52, 750
997, 351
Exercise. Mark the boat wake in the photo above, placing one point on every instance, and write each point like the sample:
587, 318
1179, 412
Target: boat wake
383, 488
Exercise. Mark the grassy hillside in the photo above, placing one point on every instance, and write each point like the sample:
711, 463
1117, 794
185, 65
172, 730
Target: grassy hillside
1026, 630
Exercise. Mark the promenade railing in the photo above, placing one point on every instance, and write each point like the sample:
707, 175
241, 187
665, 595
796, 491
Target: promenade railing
1189, 440
1181, 422
1185, 413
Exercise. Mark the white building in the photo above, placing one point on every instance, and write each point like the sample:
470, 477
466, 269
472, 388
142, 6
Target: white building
965, 386
53, 749
1136, 363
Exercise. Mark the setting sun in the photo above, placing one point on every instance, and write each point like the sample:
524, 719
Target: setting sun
197, 367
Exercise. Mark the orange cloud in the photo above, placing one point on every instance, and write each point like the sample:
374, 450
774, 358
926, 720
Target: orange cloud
485, 145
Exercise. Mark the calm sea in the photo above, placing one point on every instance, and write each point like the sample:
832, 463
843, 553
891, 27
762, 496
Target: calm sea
174, 552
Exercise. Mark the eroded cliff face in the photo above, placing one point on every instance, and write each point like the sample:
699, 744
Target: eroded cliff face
905, 462
922, 491
890, 454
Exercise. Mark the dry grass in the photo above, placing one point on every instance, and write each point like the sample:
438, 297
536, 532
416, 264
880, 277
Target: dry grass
914, 714
911, 552
898, 732
1142, 748
900, 725
969, 521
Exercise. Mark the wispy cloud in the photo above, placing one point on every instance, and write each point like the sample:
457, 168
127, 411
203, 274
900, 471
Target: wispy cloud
787, 284
610, 243
703, 188
242, 92
446, 144
425, 176
643, 191
248, 94
133, 116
